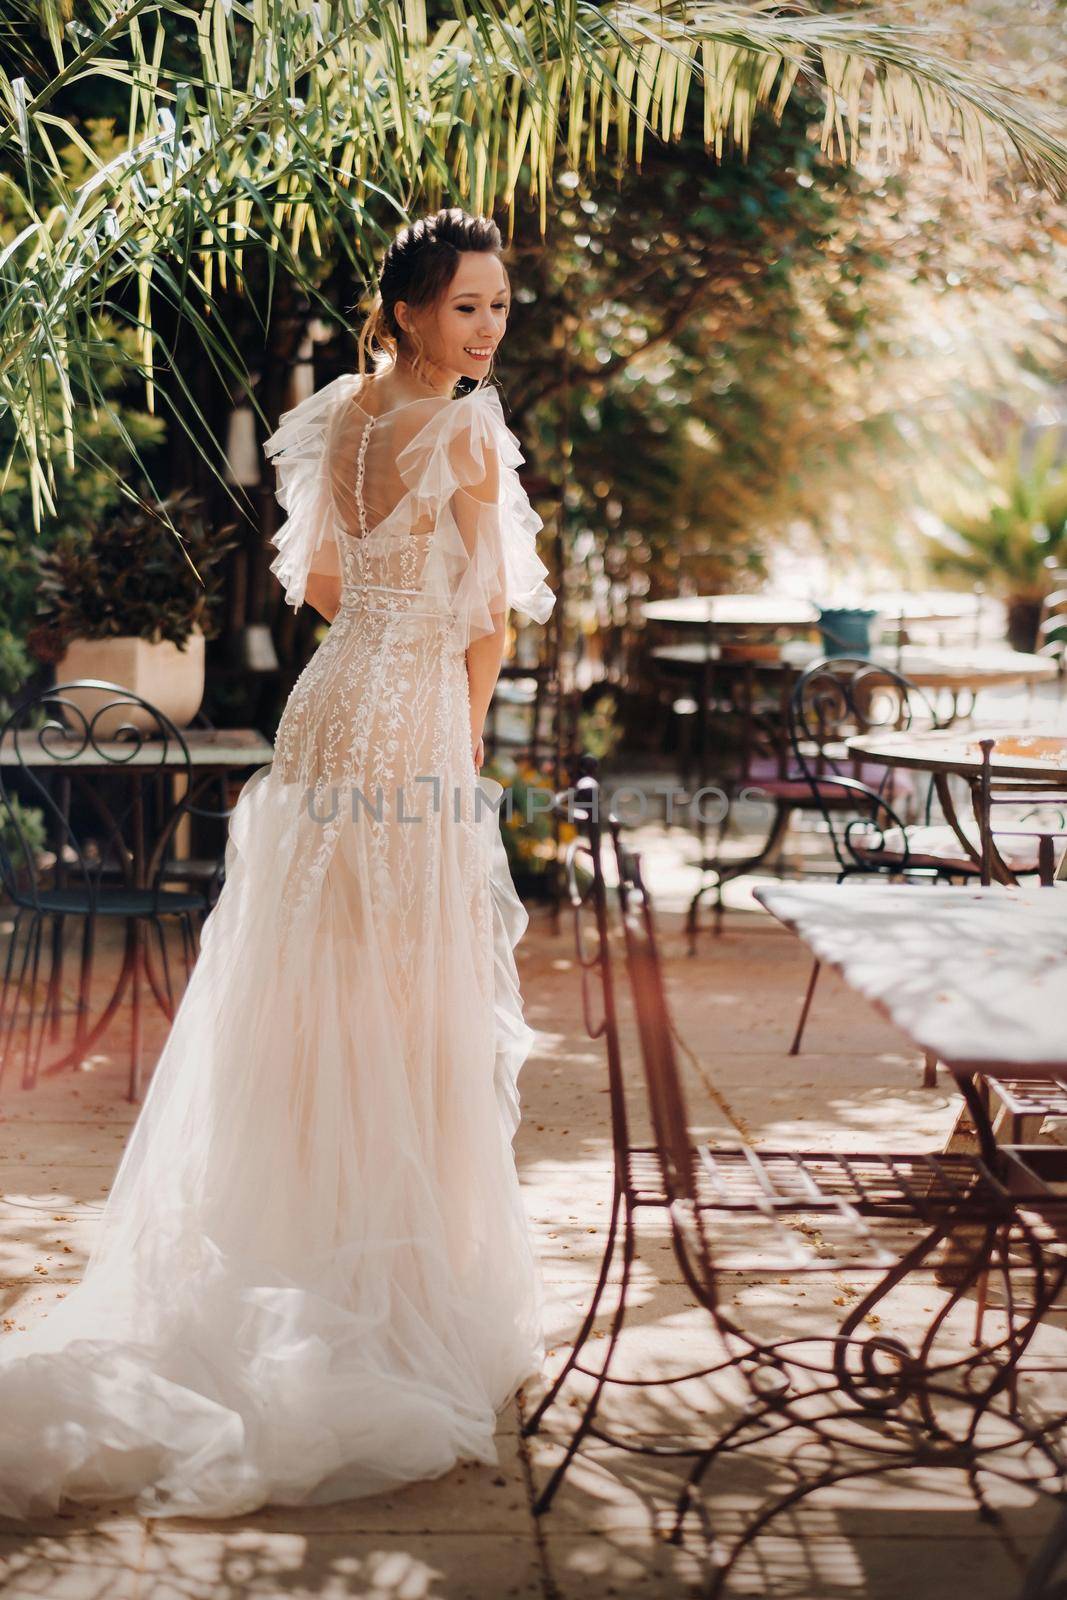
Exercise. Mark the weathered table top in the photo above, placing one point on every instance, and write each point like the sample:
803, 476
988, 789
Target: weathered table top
977, 976
1040, 757
208, 747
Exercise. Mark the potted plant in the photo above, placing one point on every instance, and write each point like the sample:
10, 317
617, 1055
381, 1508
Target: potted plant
127, 602
1003, 534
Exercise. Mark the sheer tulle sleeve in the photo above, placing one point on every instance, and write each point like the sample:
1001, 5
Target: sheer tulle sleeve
305, 541
460, 469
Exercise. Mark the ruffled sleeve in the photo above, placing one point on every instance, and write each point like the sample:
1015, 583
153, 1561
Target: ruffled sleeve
305, 541
460, 470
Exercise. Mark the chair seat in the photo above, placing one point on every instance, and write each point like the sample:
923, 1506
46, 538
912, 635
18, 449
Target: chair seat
797, 790
763, 774
934, 844
815, 1207
190, 868
123, 902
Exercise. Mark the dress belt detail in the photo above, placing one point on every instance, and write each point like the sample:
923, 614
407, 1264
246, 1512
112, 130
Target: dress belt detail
357, 600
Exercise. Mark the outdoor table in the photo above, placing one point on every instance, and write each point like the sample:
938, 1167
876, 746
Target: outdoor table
1038, 760
957, 669
930, 608
975, 976
734, 610
977, 979
211, 751
925, 605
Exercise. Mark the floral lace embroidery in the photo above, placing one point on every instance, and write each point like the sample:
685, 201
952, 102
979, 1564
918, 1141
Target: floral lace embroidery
375, 734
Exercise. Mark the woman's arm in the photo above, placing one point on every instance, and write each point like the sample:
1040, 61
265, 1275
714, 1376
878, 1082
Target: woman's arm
476, 510
484, 658
324, 594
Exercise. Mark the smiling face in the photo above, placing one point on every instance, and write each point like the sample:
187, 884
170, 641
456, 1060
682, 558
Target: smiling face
460, 333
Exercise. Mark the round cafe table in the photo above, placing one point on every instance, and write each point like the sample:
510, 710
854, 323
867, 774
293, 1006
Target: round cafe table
770, 610
1039, 758
927, 605
734, 610
1035, 762
955, 667
956, 670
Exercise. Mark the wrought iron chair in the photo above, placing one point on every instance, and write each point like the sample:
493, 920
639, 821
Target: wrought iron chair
741, 714
738, 1209
1052, 623
755, 713
842, 697
207, 871
111, 871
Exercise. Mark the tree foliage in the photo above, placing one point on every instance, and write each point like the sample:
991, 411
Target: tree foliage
273, 127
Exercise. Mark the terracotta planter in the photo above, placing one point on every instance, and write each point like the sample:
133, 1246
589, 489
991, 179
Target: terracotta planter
158, 671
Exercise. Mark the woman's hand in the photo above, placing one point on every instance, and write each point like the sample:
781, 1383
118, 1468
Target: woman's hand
478, 753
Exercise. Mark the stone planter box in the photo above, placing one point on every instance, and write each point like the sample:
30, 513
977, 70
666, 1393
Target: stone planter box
157, 670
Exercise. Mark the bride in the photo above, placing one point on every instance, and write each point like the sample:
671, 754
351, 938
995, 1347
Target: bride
313, 1277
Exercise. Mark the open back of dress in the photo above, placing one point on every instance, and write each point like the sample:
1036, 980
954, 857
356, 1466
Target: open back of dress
363, 449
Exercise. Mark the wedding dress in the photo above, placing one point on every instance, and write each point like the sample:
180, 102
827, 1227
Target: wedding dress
313, 1277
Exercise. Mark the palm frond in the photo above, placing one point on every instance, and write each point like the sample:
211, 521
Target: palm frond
290, 130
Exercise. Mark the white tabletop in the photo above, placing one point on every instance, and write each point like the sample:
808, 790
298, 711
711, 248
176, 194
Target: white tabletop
207, 747
926, 666
977, 975
926, 605
755, 610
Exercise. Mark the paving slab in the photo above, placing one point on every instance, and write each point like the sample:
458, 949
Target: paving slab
339, 1566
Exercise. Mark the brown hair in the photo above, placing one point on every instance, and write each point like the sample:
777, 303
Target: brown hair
419, 265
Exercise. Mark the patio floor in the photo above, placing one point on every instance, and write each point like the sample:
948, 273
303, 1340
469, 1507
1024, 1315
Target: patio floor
472, 1535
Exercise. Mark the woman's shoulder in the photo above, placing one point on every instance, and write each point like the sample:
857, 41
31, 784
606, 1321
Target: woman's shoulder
307, 420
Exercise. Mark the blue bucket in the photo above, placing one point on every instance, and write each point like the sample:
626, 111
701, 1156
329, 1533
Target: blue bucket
846, 630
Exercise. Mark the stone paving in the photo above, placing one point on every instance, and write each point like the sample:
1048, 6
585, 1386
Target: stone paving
471, 1535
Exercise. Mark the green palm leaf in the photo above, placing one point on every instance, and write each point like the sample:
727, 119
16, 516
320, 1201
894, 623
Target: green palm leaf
286, 129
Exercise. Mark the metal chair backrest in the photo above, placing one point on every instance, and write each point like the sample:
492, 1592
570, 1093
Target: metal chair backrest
987, 794
583, 857
663, 1088
46, 741
217, 783
663, 1084
842, 697
1052, 622
753, 707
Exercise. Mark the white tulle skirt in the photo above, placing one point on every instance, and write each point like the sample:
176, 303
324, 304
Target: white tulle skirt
313, 1278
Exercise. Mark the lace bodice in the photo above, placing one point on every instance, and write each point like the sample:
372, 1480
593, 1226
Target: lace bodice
420, 513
